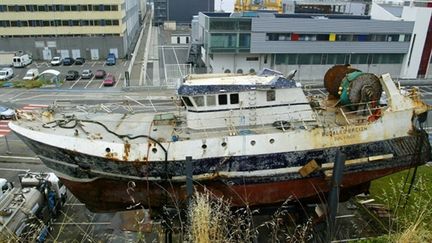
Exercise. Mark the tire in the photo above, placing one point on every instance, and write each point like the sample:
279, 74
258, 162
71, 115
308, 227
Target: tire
2, 117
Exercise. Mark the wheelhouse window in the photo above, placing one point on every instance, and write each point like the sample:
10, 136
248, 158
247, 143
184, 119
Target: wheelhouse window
271, 95
223, 99
187, 101
199, 100
211, 100
234, 98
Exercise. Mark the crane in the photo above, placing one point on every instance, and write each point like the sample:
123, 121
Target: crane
253, 5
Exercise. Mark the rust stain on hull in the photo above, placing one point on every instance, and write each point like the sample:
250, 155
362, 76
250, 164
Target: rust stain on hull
104, 195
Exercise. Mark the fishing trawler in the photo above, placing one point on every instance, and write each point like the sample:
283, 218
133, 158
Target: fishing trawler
255, 140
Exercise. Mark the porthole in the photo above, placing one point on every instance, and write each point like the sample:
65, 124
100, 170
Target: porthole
154, 150
224, 144
107, 150
204, 146
227, 71
252, 142
271, 140
252, 71
240, 71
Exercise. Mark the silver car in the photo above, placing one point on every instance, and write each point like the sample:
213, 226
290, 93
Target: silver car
86, 74
6, 113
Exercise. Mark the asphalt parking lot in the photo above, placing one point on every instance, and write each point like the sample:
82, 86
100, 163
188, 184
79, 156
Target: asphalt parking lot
117, 70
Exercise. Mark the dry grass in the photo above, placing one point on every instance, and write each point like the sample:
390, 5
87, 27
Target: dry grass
212, 220
207, 220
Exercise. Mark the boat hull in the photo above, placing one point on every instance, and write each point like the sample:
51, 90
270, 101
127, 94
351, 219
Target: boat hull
106, 184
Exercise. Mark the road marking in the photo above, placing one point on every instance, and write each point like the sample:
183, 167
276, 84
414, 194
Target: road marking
101, 84
103, 65
89, 82
164, 64
94, 63
178, 64
75, 83
125, 64
9, 169
118, 80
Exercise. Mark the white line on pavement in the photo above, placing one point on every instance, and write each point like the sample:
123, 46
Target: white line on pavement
89, 82
125, 64
75, 83
118, 80
100, 86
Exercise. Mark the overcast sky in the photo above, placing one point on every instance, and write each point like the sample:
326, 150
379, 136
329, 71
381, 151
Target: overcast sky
226, 5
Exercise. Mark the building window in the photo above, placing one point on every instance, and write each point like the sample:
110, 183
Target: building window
234, 98
223, 40
271, 95
252, 58
244, 40
115, 22
222, 99
114, 8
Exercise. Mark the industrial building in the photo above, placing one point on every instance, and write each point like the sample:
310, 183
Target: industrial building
311, 43
76, 28
180, 11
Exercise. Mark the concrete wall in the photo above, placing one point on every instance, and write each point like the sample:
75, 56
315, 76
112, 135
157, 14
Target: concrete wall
315, 73
221, 62
35, 46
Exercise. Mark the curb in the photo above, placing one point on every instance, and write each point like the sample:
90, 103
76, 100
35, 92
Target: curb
20, 159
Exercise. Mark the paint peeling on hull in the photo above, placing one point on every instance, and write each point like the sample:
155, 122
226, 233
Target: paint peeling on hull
102, 183
104, 195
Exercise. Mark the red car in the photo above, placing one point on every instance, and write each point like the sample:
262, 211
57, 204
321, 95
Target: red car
109, 80
100, 74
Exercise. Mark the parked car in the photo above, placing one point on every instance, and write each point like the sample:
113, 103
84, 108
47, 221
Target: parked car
109, 80
68, 61
6, 113
111, 59
100, 74
72, 75
6, 73
79, 61
56, 61
86, 74
31, 74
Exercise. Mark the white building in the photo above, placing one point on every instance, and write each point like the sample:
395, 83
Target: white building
312, 43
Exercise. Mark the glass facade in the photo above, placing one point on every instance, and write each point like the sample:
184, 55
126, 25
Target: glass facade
338, 37
228, 35
330, 59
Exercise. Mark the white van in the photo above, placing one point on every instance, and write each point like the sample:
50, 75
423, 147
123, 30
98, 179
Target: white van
31, 74
6, 73
21, 60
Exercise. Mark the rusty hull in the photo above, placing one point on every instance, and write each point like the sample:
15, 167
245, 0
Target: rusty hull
102, 195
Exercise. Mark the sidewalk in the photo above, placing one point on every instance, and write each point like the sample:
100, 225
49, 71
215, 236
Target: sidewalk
139, 59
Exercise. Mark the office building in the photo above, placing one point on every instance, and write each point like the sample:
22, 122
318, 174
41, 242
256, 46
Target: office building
70, 28
311, 43
180, 11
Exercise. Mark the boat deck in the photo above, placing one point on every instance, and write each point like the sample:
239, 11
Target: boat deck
171, 126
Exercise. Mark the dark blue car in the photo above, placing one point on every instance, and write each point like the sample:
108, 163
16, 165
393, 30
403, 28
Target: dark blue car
68, 61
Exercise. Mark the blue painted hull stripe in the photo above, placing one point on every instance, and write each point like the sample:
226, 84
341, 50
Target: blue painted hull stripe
248, 108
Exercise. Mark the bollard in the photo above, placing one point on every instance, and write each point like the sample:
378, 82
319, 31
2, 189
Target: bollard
7, 146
